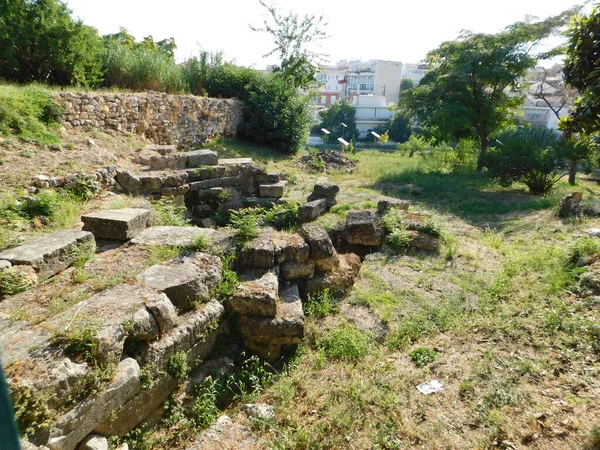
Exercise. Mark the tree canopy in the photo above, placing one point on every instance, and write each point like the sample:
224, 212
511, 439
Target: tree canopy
294, 38
465, 93
333, 117
40, 41
582, 71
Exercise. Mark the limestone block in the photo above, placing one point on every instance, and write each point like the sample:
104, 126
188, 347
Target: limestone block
258, 253
312, 210
265, 335
94, 442
423, 241
318, 241
388, 203
195, 335
4, 264
255, 295
268, 178
260, 411
290, 247
340, 279
293, 270
201, 158
363, 228
183, 281
325, 191
111, 314
117, 224
225, 434
272, 190
51, 253
169, 236
139, 407
76, 424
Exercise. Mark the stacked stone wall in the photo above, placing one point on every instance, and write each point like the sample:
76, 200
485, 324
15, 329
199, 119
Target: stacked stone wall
185, 121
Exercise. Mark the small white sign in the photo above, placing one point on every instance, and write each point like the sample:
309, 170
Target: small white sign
326, 131
343, 142
375, 134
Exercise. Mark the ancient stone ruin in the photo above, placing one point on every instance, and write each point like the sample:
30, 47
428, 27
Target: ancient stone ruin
126, 340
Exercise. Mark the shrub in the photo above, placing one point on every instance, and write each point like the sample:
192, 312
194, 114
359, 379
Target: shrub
414, 145
246, 221
320, 304
423, 356
345, 342
530, 155
80, 342
178, 366
13, 281
229, 280
170, 213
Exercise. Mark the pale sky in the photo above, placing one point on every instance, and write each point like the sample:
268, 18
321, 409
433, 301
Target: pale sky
374, 29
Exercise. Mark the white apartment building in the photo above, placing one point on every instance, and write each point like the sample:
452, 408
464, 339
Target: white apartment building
349, 79
414, 72
371, 111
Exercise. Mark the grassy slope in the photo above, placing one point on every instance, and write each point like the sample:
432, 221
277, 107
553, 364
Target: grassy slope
514, 349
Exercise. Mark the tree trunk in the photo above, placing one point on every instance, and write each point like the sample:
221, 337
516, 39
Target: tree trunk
484, 142
573, 164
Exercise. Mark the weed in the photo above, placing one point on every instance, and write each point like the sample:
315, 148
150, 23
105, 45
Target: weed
320, 304
147, 376
581, 248
205, 410
13, 281
398, 239
161, 253
500, 395
345, 342
246, 222
423, 356
169, 213
30, 409
79, 342
450, 245
593, 441
178, 366
199, 243
466, 390
27, 153
283, 217
341, 210
80, 276
229, 280
93, 383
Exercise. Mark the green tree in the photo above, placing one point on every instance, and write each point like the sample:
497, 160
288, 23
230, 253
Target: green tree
400, 129
464, 93
333, 117
406, 84
40, 41
531, 155
294, 38
582, 71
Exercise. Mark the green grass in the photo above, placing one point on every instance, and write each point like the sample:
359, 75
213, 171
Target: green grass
346, 343
27, 112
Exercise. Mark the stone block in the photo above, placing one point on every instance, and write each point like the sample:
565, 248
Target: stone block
294, 270
339, 279
51, 253
169, 236
312, 210
258, 253
94, 442
323, 190
4, 264
225, 434
183, 281
139, 407
272, 190
423, 241
268, 178
195, 335
76, 424
198, 158
363, 228
289, 247
318, 241
268, 336
117, 224
256, 295
388, 203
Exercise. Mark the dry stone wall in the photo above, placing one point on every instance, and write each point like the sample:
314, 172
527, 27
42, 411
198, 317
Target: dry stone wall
185, 121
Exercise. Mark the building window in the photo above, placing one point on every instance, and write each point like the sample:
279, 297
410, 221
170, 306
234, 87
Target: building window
323, 100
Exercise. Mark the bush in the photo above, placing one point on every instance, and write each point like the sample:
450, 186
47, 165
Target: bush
346, 343
141, 68
530, 155
423, 356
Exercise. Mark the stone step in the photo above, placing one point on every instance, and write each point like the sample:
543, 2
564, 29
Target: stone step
225, 434
270, 336
272, 189
51, 253
182, 160
220, 241
187, 281
258, 253
117, 224
255, 295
